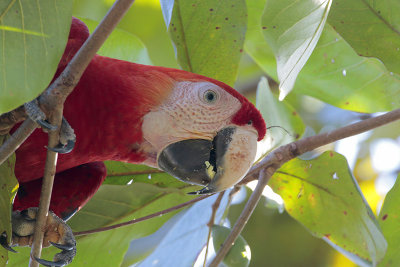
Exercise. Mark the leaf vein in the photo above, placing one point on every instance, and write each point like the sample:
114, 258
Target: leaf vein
7, 9
315, 35
184, 42
391, 27
24, 38
41, 29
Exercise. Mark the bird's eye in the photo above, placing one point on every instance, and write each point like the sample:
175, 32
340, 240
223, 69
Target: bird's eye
210, 96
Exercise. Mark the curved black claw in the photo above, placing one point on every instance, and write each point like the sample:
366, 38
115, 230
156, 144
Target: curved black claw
9, 248
4, 243
67, 139
203, 191
63, 258
46, 125
62, 247
63, 149
37, 115
51, 263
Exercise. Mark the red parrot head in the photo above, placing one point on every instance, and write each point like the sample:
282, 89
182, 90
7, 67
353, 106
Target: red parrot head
203, 131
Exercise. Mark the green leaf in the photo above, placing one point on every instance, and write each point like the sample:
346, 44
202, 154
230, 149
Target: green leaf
276, 113
33, 35
122, 45
239, 255
372, 28
292, 29
334, 73
8, 190
323, 195
208, 36
389, 219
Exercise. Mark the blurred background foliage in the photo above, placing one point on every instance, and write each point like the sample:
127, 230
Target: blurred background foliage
274, 237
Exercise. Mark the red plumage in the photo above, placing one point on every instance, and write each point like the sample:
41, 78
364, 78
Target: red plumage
106, 110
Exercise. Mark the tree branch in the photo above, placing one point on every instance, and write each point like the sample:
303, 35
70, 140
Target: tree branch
273, 161
9, 119
52, 101
313, 142
47, 186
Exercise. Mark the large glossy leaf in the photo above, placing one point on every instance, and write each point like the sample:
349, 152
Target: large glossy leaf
276, 113
334, 73
372, 28
323, 195
8, 189
389, 219
292, 29
122, 45
188, 235
209, 35
33, 35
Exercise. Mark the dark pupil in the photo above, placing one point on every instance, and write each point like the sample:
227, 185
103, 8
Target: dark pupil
210, 96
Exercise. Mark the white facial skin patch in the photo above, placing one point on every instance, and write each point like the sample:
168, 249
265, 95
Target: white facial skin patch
188, 114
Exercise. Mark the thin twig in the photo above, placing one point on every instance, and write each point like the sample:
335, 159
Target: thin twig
9, 119
16, 139
107, 228
241, 222
210, 224
267, 167
52, 101
307, 144
47, 186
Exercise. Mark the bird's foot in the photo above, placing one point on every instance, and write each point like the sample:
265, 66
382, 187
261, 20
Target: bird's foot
67, 139
67, 135
56, 233
37, 115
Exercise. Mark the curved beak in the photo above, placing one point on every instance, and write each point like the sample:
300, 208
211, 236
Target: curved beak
216, 164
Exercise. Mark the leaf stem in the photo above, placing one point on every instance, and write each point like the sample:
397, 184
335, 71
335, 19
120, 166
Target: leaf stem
134, 221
